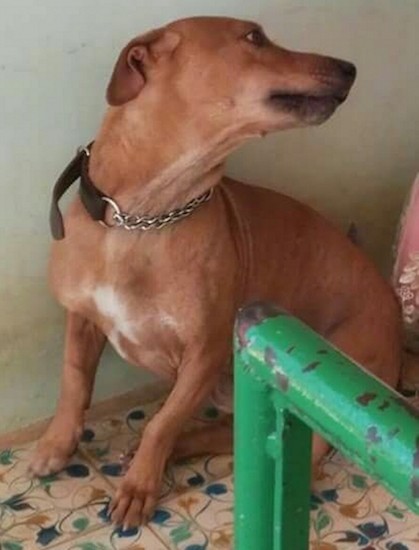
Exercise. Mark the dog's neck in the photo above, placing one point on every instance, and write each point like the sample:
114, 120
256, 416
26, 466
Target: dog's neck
148, 172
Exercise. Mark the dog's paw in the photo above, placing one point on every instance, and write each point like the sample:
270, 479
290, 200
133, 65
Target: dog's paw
125, 459
47, 461
134, 502
53, 451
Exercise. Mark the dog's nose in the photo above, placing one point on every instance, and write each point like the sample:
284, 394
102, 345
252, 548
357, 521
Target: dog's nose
347, 69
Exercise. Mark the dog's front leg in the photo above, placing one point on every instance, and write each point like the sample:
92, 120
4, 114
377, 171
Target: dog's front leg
137, 495
83, 346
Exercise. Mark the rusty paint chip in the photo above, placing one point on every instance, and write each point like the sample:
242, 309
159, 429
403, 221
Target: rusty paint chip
282, 381
251, 316
311, 366
271, 360
366, 398
392, 433
270, 357
372, 435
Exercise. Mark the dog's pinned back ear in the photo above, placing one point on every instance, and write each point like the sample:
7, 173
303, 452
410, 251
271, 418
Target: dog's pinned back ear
136, 59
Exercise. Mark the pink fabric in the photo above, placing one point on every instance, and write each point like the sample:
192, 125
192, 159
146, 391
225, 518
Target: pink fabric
406, 268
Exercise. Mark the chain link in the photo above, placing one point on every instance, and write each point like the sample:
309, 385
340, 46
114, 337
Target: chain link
130, 222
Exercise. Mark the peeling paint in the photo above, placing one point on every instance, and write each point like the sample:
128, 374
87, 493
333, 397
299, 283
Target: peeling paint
380, 442
253, 315
282, 381
270, 357
311, 366
366, 398
392, 433
272, 361
372, 435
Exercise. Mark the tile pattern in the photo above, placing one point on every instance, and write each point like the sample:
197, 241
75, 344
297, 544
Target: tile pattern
35, 513
68, 511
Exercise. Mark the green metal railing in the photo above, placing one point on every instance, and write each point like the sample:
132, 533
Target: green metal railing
289, 382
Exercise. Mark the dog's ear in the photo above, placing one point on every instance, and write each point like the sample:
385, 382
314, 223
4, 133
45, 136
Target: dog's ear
130, 72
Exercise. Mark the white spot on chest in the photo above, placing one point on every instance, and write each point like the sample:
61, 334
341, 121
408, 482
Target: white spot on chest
111, 306
127, 325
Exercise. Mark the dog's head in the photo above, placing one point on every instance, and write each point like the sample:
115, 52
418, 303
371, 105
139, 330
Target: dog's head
220, 72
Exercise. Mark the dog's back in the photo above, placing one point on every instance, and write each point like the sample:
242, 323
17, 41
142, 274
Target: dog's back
299, 260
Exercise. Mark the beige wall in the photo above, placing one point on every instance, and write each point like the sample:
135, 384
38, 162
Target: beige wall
55, 58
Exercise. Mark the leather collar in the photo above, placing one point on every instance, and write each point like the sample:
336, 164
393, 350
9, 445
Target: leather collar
91, 197
96, 202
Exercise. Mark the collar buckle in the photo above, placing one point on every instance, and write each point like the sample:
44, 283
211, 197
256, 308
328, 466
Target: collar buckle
83, 149
117, 215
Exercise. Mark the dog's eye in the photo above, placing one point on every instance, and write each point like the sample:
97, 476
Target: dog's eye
256, 37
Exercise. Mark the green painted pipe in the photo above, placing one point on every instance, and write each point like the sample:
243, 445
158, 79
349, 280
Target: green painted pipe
254, 463
365, 419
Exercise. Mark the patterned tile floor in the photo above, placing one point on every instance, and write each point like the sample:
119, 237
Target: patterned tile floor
68, 511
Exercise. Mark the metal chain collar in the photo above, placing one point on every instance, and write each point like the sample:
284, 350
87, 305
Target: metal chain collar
144, 223
131, 222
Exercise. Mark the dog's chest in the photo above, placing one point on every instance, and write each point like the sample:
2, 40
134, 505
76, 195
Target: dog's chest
117, 315
139, 330
120, 285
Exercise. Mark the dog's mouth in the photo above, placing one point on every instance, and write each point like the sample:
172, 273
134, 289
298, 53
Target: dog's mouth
310, 107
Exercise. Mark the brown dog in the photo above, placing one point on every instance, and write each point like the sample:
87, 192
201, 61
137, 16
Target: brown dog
183, 97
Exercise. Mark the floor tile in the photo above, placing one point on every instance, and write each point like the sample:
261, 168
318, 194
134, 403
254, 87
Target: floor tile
195, 473
405, 540
363, 502
115, 539
198, 520
42, 512
331, 531
345, 487
106, 441
68, 511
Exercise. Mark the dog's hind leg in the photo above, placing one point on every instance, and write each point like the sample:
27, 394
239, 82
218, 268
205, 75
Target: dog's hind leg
214, 439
